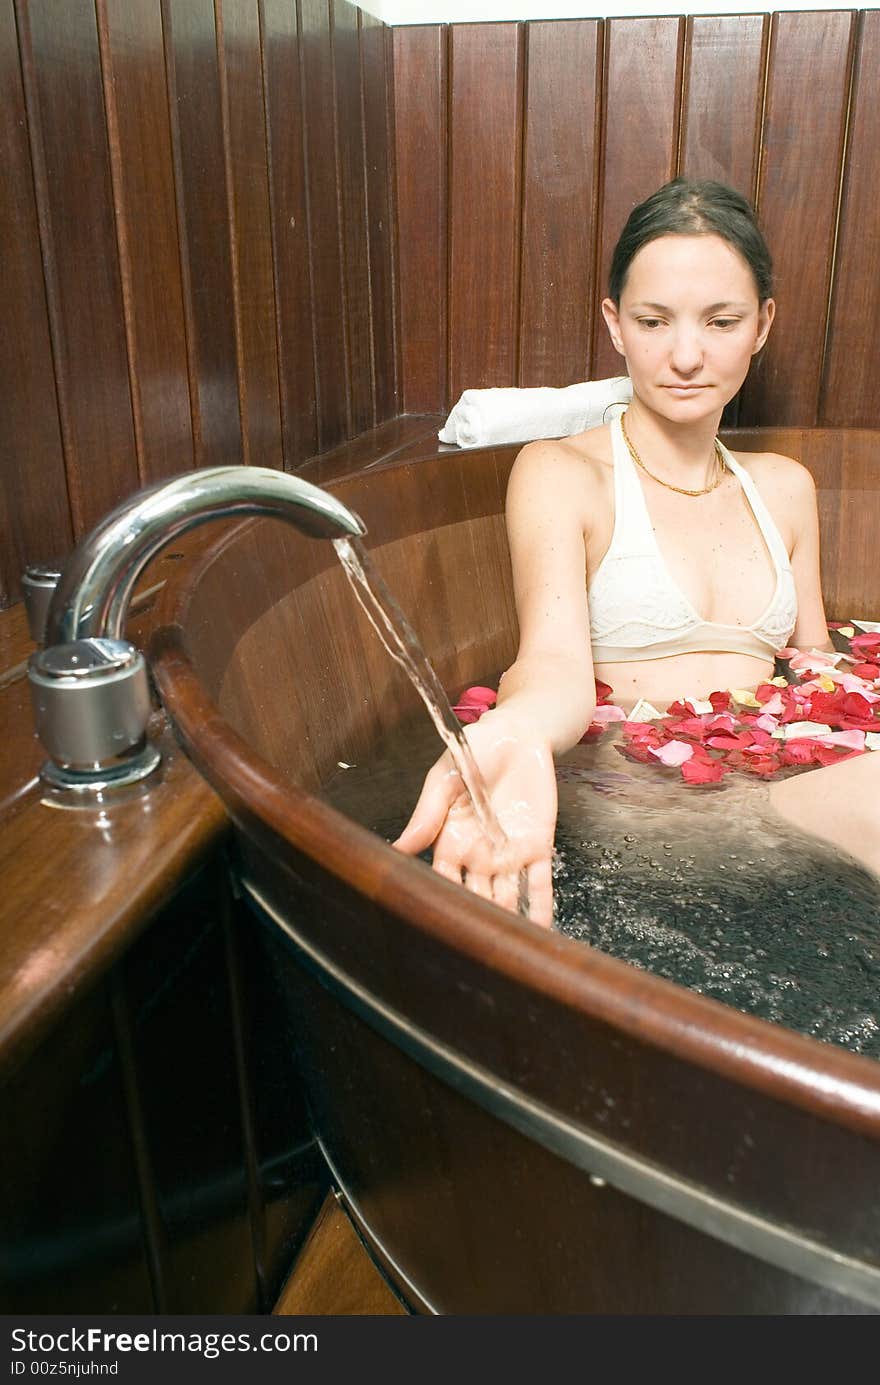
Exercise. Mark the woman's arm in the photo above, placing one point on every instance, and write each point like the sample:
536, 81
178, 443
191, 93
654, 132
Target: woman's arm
551, 680
545, 703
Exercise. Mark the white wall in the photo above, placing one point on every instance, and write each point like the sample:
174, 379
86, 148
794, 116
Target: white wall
460, 11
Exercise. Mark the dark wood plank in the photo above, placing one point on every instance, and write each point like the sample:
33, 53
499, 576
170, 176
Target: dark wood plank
62, 70
247, 190
376, 76
325, 247
559, 200
642, 84
15, 644
334, 1274
723, 98
484, 230
808, 85
844, 466
136, 100
69, 1196
353, 209
287, 192
181, 1061
200, 181
21, 754
420, 148
34, 510
851, 379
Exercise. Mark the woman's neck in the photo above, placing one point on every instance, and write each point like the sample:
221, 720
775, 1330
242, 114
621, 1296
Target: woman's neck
679, 451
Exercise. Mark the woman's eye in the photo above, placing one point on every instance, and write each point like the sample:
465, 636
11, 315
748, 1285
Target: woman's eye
725, 323
649, 322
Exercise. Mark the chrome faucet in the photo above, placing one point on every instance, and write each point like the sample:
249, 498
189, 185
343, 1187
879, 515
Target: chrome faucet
89, 686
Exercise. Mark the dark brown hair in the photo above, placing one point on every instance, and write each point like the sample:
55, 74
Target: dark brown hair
688, 208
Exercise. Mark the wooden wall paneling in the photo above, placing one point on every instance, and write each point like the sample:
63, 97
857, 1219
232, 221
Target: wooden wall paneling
722, 107
353, 212
136, 101
486, 71
722, 98
69, 149
287, 196
851, 381
325, 246
560, 167
376, 76
34, 510
250, 229
421, 172
643, 60
848, 487
198, 147
799, 181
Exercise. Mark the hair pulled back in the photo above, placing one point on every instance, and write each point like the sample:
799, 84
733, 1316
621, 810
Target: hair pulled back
685, 207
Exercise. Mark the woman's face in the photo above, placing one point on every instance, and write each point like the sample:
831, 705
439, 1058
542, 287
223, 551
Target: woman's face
688, 323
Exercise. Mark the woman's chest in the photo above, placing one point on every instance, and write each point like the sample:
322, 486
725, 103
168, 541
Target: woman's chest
710, 550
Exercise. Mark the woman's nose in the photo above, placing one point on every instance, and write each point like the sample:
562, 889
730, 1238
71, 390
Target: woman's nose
687, 351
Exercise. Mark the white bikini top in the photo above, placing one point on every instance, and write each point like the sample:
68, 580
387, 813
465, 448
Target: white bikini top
636, 609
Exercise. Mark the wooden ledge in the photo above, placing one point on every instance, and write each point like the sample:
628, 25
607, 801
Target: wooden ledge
405, 436
77, 884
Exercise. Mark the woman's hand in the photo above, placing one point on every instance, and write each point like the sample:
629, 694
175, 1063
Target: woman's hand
519, 774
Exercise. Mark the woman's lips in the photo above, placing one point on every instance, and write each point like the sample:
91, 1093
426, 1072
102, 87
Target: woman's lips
685, 389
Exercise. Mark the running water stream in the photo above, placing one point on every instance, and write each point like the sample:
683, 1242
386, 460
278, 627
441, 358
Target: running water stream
401, 642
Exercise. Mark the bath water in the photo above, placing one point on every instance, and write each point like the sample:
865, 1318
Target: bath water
707, 887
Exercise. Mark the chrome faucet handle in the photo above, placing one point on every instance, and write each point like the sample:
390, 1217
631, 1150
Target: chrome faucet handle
91, 701
38, 585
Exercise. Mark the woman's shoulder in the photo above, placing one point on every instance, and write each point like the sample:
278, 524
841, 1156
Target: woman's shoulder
571, 459
774, 472
567, 480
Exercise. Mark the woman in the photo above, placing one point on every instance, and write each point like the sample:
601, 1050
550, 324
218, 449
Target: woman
648, 557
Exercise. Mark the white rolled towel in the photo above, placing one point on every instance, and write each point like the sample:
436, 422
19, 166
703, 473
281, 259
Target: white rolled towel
483, 417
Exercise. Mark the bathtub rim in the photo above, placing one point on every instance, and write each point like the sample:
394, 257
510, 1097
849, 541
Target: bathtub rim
820, 1078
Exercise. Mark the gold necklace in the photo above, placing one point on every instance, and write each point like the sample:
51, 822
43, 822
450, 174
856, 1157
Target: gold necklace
718, 456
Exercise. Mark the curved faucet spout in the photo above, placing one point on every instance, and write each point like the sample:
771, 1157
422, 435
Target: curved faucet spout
92, 597
89, 688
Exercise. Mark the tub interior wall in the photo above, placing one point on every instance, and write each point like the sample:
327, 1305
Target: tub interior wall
285, 650
306, 681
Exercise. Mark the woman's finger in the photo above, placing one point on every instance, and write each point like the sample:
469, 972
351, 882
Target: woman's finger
541, 892
449, 869
478, 884
441, 788
506, 892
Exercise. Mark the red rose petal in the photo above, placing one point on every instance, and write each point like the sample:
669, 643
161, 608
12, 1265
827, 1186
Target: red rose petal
696, 771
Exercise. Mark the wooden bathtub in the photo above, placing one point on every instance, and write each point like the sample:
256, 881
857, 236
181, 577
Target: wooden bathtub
519, 1124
